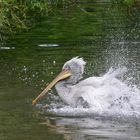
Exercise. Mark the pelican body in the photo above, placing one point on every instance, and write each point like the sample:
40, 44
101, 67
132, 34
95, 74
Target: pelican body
91, 92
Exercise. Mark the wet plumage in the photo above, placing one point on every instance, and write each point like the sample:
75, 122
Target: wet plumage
85, 92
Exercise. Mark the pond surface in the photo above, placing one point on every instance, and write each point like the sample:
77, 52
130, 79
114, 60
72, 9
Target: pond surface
104, 34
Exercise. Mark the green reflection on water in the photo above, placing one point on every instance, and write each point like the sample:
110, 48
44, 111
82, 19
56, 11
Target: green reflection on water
84, 30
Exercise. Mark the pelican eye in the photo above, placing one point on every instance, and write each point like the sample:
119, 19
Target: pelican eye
67, 68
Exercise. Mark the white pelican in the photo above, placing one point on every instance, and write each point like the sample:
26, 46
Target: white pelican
101, 91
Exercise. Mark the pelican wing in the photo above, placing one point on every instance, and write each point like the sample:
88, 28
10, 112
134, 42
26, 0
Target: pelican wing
92, 81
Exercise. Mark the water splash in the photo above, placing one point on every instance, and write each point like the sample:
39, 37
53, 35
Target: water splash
114, 99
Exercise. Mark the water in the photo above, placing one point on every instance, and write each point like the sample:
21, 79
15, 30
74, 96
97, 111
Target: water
105, 35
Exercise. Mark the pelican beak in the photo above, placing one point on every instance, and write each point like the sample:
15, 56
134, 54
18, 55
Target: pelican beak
63, 75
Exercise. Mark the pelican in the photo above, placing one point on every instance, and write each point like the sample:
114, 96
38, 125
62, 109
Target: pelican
90, 92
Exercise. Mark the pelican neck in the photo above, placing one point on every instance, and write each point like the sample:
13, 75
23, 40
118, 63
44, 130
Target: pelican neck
64, 91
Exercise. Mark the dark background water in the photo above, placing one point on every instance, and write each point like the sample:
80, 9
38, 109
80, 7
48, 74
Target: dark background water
104, 34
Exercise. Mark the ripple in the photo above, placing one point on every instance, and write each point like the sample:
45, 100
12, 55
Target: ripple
7, 48
48, 45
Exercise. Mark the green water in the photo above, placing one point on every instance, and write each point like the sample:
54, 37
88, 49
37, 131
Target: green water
100, 32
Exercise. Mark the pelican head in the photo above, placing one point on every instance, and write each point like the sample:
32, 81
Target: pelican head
71, 73
76, 67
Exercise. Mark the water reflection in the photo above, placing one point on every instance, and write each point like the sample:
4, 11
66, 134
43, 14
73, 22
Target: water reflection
90, 128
